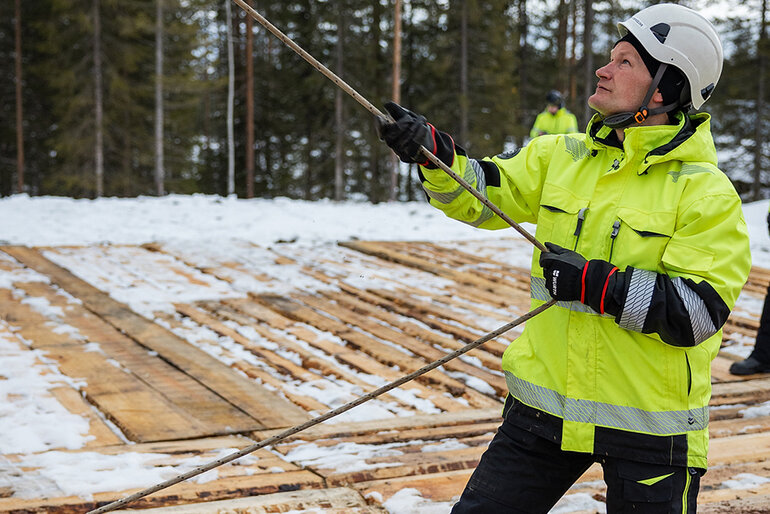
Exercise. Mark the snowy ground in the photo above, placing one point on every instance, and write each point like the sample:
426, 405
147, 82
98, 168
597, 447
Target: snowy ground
208, 223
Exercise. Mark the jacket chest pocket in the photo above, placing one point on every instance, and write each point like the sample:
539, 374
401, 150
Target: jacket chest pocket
642, 237
560, 217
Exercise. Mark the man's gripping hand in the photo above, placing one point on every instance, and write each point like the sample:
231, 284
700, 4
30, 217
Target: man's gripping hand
563, 271
569, 277
407, 133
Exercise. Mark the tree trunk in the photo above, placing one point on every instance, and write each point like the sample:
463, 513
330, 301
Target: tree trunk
759, 134
19, 110
160, 174
230, 101
249, 106
588, 65
561, 46
573, 56
464, 73
523, 65
394, 162
339, 119
98, 108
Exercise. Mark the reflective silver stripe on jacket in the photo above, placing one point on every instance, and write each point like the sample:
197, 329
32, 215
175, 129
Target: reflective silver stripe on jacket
481, 187
473, 174
702, 325
638, 299
468, 175
607, 414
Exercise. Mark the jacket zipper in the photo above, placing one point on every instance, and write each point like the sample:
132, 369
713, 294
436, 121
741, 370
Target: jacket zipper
615, 230
581, 218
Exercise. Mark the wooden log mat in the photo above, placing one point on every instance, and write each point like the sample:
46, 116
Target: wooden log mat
341, 323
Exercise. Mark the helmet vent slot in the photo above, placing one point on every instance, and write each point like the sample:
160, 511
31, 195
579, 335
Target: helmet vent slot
661, 31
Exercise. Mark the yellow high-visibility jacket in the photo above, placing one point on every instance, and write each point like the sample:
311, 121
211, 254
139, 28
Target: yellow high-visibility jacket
563, 122
657, 207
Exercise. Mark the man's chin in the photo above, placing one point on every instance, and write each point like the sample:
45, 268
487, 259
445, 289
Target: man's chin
594, 104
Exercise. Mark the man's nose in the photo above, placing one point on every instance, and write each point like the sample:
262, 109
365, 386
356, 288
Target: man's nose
603, 72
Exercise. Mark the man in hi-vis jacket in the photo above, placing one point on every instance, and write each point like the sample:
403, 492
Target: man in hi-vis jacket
555, 119
648, 253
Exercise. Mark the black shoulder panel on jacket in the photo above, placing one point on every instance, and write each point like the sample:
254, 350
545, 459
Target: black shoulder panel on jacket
491, 173
510, 154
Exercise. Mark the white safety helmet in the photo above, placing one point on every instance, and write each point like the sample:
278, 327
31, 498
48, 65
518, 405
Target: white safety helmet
680, 37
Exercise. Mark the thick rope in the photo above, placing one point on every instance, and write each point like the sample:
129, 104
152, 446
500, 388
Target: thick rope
320, 419
371, 108
396, 383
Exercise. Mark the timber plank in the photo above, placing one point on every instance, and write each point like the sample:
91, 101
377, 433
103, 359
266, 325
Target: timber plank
386, 354
388, 427
729, 495
264, 406
249, 369
338, 500
438, 487
742, 391
260, 472
409, 327
138, 410
416, 346
355, 359
185, 492
99, 434
720, 369
759, 504
739, 426
731, 450
234, 311
494, 347
210, 412
447, 322
492, 271
384, 251
417, 463
477, 433
98, 431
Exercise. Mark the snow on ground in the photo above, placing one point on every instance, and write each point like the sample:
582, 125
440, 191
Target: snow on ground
215, 225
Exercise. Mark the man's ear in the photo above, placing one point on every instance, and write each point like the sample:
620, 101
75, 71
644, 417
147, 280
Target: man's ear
657, 97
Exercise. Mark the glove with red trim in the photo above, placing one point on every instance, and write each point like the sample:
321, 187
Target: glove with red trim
569, 277
407, 133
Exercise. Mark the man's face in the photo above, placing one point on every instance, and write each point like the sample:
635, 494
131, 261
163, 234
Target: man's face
553, 109
623, 82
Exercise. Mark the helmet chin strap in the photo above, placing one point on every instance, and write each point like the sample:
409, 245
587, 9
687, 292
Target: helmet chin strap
628, 118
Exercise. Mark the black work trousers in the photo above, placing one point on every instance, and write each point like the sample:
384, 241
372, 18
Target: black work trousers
761, 350
523, 473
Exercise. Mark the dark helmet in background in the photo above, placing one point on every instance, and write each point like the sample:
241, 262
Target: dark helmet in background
554, 98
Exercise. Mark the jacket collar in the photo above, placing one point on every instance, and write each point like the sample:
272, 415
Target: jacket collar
690, 140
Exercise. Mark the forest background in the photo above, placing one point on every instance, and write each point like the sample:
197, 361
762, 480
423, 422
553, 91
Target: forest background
150, 97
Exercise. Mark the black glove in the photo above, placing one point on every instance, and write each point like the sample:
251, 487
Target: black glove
569, 277
768, 222
406, 134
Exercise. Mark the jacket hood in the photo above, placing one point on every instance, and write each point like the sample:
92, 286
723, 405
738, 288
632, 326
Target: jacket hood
690, 140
